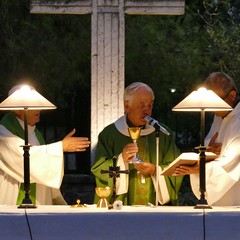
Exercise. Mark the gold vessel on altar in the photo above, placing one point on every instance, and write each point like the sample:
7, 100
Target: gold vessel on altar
103, 193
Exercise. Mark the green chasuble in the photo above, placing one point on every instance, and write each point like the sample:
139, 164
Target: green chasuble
10, 122
111, 142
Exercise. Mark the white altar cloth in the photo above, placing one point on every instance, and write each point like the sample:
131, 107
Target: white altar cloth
138, 222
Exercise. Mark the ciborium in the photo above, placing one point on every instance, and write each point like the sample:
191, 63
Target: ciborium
103, 193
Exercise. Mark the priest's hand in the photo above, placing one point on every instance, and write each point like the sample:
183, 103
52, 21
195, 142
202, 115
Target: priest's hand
145, 168
186, 169
75, 144
129, 152
214, 146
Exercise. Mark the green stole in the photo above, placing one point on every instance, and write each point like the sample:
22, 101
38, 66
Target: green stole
10, 122
142, 192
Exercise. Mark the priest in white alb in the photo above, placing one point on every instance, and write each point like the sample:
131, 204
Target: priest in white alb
223, 173
46, 160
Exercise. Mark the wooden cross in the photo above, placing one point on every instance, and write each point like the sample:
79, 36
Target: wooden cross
108, 48
114, 172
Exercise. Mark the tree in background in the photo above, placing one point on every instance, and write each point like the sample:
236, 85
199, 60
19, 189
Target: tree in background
222, 23
174, 54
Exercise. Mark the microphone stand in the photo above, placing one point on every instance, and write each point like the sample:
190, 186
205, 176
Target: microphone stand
157, 163
158, 128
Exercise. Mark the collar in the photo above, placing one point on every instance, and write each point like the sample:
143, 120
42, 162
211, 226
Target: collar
122, 127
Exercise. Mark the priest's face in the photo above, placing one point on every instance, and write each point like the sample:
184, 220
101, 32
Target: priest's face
33, 116
229, 98
139, 106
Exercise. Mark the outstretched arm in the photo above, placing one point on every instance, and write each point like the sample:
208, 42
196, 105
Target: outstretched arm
75, 144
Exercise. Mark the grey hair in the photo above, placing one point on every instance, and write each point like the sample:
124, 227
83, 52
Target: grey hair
132, 88
220, 81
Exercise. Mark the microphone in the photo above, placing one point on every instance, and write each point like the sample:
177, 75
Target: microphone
155, 124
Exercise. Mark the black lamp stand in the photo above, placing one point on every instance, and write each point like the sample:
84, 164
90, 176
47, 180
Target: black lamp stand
202, 202
27, 202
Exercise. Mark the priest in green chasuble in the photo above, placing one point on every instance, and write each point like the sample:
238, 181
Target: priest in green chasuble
137, 187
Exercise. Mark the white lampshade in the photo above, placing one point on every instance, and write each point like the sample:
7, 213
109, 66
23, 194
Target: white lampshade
26, 97
202, 99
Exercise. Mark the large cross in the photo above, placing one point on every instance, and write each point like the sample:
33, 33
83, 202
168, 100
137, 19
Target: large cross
108, 48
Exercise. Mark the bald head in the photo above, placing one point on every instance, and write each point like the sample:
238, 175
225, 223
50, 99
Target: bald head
220, 83
224, 87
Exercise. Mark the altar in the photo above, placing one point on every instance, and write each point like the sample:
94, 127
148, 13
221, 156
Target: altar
131, 222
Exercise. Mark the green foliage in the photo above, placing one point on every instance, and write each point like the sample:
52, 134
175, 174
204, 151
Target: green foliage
54, 49
222, 23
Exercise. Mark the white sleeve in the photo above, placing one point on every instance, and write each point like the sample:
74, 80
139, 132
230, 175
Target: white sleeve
46, 161
221, 174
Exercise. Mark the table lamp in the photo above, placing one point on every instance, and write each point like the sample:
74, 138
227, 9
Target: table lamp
202, 100
26, 98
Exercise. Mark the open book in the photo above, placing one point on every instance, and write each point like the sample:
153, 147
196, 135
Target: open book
187, 158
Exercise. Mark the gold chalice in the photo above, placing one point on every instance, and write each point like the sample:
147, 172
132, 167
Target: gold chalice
103, 193
134, 133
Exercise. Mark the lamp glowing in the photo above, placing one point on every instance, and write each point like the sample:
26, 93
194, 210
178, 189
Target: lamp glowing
202, 100
26, 98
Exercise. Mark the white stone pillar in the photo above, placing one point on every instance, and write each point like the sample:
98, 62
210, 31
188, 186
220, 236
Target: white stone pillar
107, 65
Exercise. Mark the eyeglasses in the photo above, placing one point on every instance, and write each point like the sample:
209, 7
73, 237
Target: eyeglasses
227, 94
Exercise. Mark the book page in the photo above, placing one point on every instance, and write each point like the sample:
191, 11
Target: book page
187, 158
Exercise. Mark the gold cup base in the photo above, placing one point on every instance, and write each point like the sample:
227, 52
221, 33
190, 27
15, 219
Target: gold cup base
103, 203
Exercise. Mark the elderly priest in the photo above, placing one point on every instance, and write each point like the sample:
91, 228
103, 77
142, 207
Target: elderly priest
137, 188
